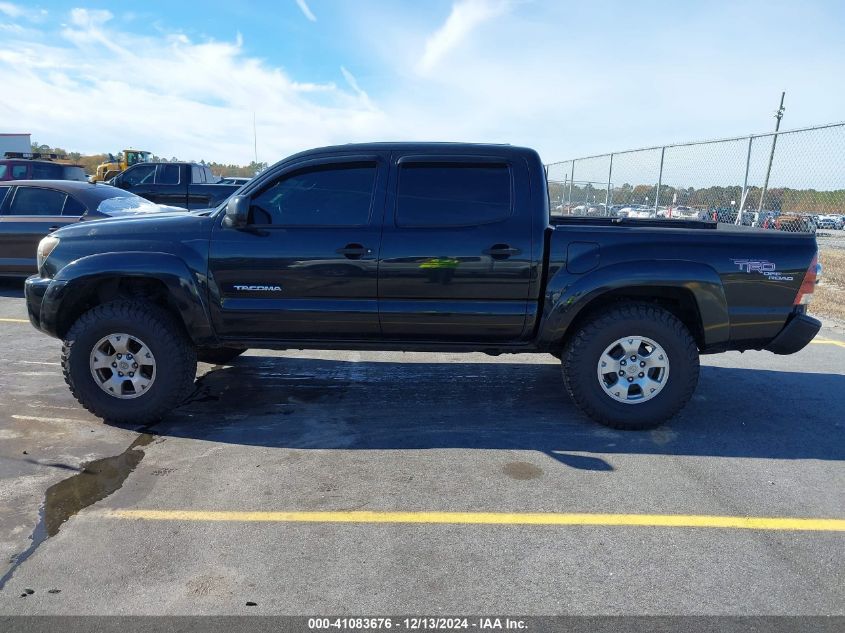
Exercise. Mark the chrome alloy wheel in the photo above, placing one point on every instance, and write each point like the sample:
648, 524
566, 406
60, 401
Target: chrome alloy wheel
633, 369
123, 366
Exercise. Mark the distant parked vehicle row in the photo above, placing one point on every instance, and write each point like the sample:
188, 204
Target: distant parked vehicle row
831, 221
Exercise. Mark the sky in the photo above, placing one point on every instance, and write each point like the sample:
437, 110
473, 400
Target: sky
570, 79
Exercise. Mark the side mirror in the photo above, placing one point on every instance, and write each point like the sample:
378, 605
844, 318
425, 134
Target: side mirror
237, 212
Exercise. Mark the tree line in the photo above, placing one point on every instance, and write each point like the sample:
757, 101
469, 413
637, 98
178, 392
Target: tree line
89, 162
714, 197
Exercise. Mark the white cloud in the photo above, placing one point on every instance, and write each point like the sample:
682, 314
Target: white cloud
465, 17
11, 10
353, 83
306, 10
170, 95
15, 11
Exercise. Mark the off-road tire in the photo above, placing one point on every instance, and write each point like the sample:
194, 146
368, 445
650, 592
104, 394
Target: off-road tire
176, 360
581, 355
218, 355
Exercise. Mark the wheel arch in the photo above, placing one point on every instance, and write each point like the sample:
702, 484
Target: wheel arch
160, 278
692, 292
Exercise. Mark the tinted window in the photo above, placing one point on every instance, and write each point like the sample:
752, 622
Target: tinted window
75, 173
335, 195
33, 201
73, 207
168, 175
3, 192
46, 171
453, 194
197, 174
139, 175
18, 172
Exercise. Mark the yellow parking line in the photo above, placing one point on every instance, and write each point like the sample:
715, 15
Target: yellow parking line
827, 341
492, 518
3, 320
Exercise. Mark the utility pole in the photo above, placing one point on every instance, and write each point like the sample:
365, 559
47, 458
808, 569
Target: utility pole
778, 117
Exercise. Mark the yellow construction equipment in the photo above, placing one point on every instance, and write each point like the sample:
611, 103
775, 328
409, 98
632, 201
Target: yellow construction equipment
113, 166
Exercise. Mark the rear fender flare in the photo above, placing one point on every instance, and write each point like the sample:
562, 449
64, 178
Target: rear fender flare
568, 295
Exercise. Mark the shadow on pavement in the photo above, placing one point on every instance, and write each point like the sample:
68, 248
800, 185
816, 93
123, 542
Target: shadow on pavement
330, 404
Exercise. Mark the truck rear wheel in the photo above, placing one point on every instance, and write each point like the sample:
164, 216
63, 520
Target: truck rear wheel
632, 366
128, 362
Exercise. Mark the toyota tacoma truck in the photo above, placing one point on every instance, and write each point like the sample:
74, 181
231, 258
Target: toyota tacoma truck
415, 247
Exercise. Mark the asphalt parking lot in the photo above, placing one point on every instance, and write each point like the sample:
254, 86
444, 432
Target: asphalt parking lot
386, 483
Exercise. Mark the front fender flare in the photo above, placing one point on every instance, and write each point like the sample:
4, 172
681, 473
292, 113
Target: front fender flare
568, 295
185, 289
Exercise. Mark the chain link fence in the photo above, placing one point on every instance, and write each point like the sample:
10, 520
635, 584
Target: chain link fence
790, 181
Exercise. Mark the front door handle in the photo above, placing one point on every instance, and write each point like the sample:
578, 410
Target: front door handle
353, 251
501, 251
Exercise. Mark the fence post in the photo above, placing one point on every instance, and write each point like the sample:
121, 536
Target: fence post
571, 178
744, 182
659, 180
608, 200
778, 117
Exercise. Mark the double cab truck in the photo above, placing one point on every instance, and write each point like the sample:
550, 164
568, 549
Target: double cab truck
415, 247
186, 185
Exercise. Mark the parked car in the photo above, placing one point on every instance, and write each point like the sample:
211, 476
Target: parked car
36, 169
410, 246
831, 222
31, 209
795, 222
186, 185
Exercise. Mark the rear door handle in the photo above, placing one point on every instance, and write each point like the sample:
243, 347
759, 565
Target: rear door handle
501, 251
353, 251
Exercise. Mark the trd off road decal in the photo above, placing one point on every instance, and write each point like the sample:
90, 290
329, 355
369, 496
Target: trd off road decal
762, 266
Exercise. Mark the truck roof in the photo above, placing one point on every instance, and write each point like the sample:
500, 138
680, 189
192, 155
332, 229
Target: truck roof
427, 147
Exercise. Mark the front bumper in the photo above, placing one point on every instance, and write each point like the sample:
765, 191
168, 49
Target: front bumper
799, 330
42, 295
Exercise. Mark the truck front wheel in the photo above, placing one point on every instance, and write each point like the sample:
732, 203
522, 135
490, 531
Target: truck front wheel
632, 366
128, 362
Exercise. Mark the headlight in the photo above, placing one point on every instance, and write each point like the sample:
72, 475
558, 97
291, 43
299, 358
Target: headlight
45, 247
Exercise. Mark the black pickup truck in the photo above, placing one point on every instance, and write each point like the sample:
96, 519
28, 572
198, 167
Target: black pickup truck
415, 247
186, 185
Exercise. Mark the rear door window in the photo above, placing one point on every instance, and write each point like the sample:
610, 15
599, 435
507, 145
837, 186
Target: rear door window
75, 173
73, 207
46, 171
453, 194
19, 172
168, 174
3, 192
37, 201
